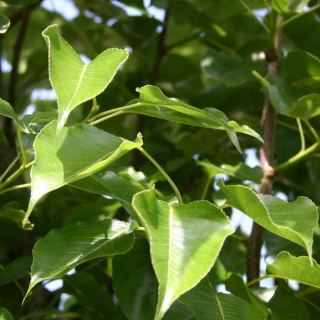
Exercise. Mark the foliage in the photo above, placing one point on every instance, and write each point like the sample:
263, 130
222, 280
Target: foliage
115, 187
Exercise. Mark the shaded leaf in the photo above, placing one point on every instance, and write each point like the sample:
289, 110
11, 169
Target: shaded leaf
39, 117
284, 305
3, 138
226, 68
63, 249
12, 212
240, 171
5, 314
77, 152
298, 269
306, 107
4, 23
15, 270
90, 294
180, 258
294, 221
208, 305
237, 287
74, 81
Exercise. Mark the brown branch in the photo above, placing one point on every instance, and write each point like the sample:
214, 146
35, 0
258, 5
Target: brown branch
137, 159
268, 121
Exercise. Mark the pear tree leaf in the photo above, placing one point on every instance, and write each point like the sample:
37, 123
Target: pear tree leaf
237, 287
73, 81
40, 117
4, 23
15, 270
306, 107
295, 268
152, 102
208, 305
73, 154
288, 6
294, 221
63, 249
240, 171
185, 241
5, 314
12, 212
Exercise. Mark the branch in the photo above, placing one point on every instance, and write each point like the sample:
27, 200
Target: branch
266, 158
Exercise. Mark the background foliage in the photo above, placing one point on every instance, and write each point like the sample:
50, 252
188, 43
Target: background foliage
134, 252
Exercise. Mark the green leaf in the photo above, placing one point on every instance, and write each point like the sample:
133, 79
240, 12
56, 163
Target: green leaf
284, 305
240, 171
15, 270
153, 102
237, 287
180, 257
40, 117
64, 249
4, 23
294, 221
208, 305
112, 185
227, 69
73, 154
287, 6
74, 81
3, 138
306, 107
298, 269
137, 290
5, 314
7, 111
12, 212
90, 294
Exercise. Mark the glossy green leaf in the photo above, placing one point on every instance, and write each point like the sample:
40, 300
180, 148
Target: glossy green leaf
5, 314
89, 294
74, 81
288, 6
12, 212
112, 185
185, 241
73, 154
237, 287
153, 102
294, 221
240, 171
15, 270
284, 305
226, 68
208, 305
64, 249
298, 269
4, 23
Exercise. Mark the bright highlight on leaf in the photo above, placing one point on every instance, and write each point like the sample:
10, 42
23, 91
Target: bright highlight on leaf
298, 269
63, 249
73, 154
4, 23
294, 221
185, 241
74, 81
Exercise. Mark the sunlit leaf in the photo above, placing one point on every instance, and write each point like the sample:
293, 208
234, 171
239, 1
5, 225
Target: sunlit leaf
74, 81
4, 23
208, 305
298, 269
63, 249
240, 171
288, 6
73, 154
294, 221
185, 241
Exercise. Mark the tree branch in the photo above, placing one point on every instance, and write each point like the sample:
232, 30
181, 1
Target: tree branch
268, 121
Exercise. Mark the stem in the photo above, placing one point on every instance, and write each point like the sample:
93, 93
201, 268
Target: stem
303, 142
93, 111
20, 186
93, 123
268, 123
175, 189
314, 133
298, 15
305, 292
206, 187
252, 14
257, 280
298, 157
23, 154
9, 167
